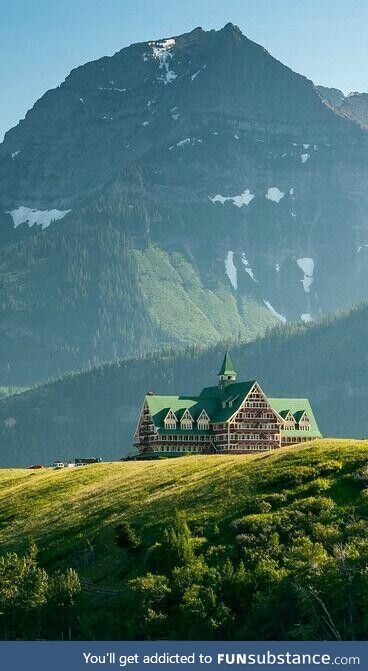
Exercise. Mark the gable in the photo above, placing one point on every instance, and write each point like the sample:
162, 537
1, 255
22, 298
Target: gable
297, 407
144, 417
186, 415
203, 416
170, 415
254, 399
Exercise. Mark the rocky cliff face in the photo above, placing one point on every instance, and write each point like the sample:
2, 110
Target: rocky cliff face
182, 191
355, 106
334, 97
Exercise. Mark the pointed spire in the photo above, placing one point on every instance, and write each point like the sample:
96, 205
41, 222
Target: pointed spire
227, 370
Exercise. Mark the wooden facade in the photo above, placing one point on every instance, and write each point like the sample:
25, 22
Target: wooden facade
231, 418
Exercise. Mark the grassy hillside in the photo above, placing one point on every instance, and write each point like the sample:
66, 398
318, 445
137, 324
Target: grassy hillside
231, 546
96, 412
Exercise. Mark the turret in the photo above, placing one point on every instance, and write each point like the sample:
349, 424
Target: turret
227, 374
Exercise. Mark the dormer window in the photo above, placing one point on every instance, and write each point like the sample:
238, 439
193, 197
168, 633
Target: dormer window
170, 420
304, 422
203, 421
289, 422
186, 420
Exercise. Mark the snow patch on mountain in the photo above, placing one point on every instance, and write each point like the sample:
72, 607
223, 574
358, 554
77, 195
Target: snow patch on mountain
274, 312
304, 157
161, 51
231, 269
307, 266
108, 88
193, 77
274, 194
175, 113
242, 199
306, 317
23, 214
187, 140
15, 153
248, 269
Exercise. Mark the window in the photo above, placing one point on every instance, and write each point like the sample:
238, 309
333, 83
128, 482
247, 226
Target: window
304, 424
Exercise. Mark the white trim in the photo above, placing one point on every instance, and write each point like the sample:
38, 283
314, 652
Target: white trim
186, 411
168, 412
136, 434
258, 388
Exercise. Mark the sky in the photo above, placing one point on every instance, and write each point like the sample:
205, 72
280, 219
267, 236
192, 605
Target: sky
42, 40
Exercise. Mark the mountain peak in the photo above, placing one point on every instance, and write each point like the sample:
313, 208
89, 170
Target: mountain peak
232, 28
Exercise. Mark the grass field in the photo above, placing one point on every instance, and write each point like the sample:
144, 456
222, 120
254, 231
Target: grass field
263, 546
72, 513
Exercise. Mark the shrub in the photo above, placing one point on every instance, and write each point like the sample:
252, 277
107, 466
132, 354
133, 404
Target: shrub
290, 477
126, 537
256, 524
315, 505
361, 476
330, 466
318, 486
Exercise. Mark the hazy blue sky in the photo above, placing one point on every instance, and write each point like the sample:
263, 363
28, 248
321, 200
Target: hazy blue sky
42, 40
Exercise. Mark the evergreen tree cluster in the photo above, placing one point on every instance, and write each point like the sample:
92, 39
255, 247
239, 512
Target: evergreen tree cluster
33, 603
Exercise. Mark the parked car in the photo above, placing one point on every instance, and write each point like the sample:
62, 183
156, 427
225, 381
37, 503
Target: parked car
57, 464
36, 466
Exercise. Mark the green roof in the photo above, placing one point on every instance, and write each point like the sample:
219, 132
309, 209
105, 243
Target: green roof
228, 400
227, 367
297, 406
220, 403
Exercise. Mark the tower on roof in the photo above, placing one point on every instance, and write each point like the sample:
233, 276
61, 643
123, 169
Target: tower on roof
227, 373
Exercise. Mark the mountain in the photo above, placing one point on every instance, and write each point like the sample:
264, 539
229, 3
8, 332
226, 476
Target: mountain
354, 106
332, 96
242, 547
96, 412
185, 190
